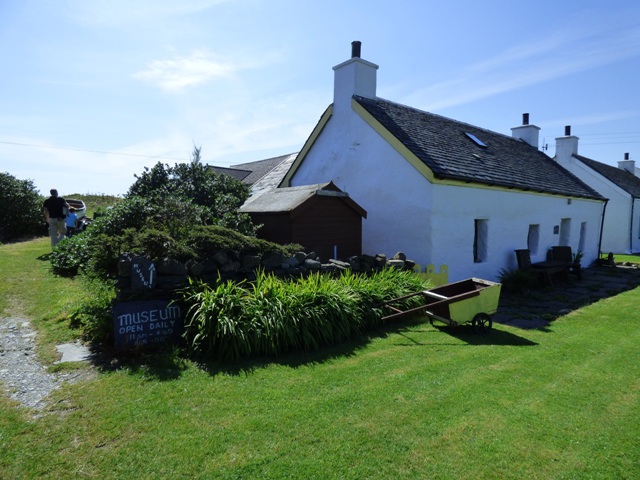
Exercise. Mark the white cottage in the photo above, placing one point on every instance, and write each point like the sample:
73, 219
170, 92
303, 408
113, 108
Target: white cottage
621, 185
443, 191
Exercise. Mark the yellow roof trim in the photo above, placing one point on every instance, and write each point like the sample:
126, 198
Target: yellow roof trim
427, 172
418, 164
500, 188
324, 119
394, 142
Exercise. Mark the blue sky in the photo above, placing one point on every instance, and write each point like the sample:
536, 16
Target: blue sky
92, 91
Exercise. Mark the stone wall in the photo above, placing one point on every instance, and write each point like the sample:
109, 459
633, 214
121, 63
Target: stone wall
140, 277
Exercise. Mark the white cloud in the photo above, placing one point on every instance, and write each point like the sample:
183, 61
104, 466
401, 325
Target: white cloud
180, 72
572, 50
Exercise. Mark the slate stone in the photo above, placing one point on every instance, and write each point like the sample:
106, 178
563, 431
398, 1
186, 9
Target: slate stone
143, 273
399, 256
124, 266
220, 257
273, 261
395, 263
250, 261
293, 262
312, 264
380, 259
171, 266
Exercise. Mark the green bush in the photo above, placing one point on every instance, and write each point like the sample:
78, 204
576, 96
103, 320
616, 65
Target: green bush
127, 228
272, 316
68, 256
93, 313
22, 213
195, 183
205, 241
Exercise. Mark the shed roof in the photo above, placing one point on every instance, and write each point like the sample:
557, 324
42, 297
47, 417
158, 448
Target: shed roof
281, 200
459, 151
618, 176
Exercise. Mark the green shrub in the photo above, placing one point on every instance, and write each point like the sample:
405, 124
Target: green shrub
197, 184
515, 280
22, 213
67, 256
272, 316
205, 241
95, 255
156, 244
93, 313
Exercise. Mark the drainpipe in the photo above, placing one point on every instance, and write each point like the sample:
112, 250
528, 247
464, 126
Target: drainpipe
604, 209
633, 202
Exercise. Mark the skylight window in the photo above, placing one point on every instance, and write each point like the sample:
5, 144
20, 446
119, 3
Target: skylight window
478, 142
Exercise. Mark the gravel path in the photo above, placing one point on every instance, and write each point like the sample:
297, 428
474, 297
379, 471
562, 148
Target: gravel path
22, 376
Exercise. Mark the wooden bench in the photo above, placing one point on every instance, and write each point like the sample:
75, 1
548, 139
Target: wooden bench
545, 271
565, 256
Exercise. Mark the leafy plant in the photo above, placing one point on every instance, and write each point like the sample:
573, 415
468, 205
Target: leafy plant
516, 280
22, 213
196, 184
92, 313
577, 257
272, 316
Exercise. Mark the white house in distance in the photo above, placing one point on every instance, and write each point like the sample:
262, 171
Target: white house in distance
621, 185
442, 191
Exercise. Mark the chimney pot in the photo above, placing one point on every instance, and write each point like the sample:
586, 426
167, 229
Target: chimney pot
525, 119
355, 49
567, 130
626, 156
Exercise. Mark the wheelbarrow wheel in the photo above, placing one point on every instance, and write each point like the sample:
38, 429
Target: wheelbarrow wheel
482, 323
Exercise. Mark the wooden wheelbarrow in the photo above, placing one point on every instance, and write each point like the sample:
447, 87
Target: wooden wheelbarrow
473, 301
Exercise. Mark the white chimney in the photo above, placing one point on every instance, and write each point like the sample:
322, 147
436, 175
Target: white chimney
526, 132
628, 165
566, 147
353, 77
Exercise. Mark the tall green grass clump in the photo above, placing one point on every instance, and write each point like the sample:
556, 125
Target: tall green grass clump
271, 316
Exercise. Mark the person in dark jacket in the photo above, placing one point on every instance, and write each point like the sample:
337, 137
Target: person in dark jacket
55, 212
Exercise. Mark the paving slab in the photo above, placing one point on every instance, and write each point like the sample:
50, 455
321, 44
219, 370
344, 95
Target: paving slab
73, 352
535, 309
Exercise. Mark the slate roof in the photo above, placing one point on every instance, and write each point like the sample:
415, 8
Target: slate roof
236, 173
261, 175
444, 146
260, 168
288, 199
620, 177
273, 178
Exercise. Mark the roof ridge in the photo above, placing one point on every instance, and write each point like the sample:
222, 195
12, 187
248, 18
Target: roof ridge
460, 122
441, 144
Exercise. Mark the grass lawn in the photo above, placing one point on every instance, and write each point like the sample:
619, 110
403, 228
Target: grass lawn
414, 401
619, 257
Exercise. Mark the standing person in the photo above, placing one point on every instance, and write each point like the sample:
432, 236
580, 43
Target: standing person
54, 212
71, 222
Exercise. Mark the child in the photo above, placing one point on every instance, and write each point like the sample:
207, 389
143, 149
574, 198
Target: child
71, 222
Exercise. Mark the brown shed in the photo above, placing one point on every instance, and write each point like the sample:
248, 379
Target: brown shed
322, 218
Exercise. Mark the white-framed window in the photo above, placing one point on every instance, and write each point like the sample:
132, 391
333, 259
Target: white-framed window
533, 238
480, 240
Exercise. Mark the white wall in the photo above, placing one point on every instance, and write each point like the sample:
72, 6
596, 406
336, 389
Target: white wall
396, 197
509, 215
617, 222
434, 223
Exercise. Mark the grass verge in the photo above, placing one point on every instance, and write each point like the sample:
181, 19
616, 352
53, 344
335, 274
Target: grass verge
409, 401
